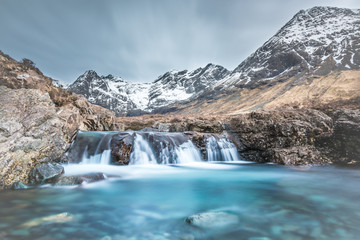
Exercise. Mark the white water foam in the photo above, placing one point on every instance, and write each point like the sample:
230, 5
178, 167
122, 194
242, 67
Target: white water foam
142, 152
221, 150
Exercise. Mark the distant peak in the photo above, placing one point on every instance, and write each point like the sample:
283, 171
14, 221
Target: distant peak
110, 76
91, 73
212, 65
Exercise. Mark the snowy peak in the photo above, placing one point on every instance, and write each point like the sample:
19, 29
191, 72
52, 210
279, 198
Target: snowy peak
128, 98
316, 41
319, 40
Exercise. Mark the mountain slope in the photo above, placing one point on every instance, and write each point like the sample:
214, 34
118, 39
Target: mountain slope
313, 60
318, 40
318, 43
133, 98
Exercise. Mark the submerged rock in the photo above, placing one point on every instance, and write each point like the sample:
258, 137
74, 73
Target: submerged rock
212, 219
57, 218
46, 173
80, 179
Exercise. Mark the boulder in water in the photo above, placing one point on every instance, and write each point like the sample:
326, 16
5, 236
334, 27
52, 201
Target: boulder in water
212, 219
46, 173
80, 179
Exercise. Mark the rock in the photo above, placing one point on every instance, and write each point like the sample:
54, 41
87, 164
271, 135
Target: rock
164, 127
212, 219
46, 173
57, 218
39, 120
18, 185
121, 148
283, 136
343, 144
80, 179
30, 132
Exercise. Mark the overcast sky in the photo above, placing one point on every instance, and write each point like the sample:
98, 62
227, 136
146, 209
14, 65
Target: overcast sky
141, 39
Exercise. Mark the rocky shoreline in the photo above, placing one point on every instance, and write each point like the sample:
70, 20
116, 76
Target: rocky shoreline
38, 122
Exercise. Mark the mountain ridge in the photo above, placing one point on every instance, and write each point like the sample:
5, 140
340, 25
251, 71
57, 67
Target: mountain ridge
314, 42
133, 98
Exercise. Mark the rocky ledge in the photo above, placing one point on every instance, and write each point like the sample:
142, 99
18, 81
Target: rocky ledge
288, 136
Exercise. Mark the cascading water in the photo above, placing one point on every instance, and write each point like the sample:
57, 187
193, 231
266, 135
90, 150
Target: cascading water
142, 152
163, 148
147, 148
102, 153
187, 152
91, 148
221, 150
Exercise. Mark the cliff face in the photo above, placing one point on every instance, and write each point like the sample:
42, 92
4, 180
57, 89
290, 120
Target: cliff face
38, 120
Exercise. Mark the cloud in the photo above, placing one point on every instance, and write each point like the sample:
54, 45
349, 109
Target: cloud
140, 40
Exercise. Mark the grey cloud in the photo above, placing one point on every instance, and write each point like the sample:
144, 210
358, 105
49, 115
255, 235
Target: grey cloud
139, 40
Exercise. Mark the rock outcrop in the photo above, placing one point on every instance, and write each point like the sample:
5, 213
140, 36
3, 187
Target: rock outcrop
285, 137
343, 144
30, 133
38, 120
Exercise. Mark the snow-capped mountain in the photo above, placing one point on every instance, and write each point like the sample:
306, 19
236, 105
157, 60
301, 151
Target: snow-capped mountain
133, 98
317, 40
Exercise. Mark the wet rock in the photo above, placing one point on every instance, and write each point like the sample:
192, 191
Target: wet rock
212, 219
80, 179
19, 185
46, 173
121, 148
57, 218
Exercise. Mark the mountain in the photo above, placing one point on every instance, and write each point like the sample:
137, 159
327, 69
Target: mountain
313, 60
308, 59
318, 40
134, 98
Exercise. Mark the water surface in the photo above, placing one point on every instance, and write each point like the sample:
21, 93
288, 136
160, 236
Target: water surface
152, 202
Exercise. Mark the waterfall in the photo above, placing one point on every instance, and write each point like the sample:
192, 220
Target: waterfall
221, 150
142, 152
102, 154
187, 152
141, 148
163, 148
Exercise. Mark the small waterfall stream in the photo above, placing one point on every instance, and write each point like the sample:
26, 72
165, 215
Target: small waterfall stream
142, 153
221, 150
148, 148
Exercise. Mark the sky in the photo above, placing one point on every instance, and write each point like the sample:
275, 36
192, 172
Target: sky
140, 40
